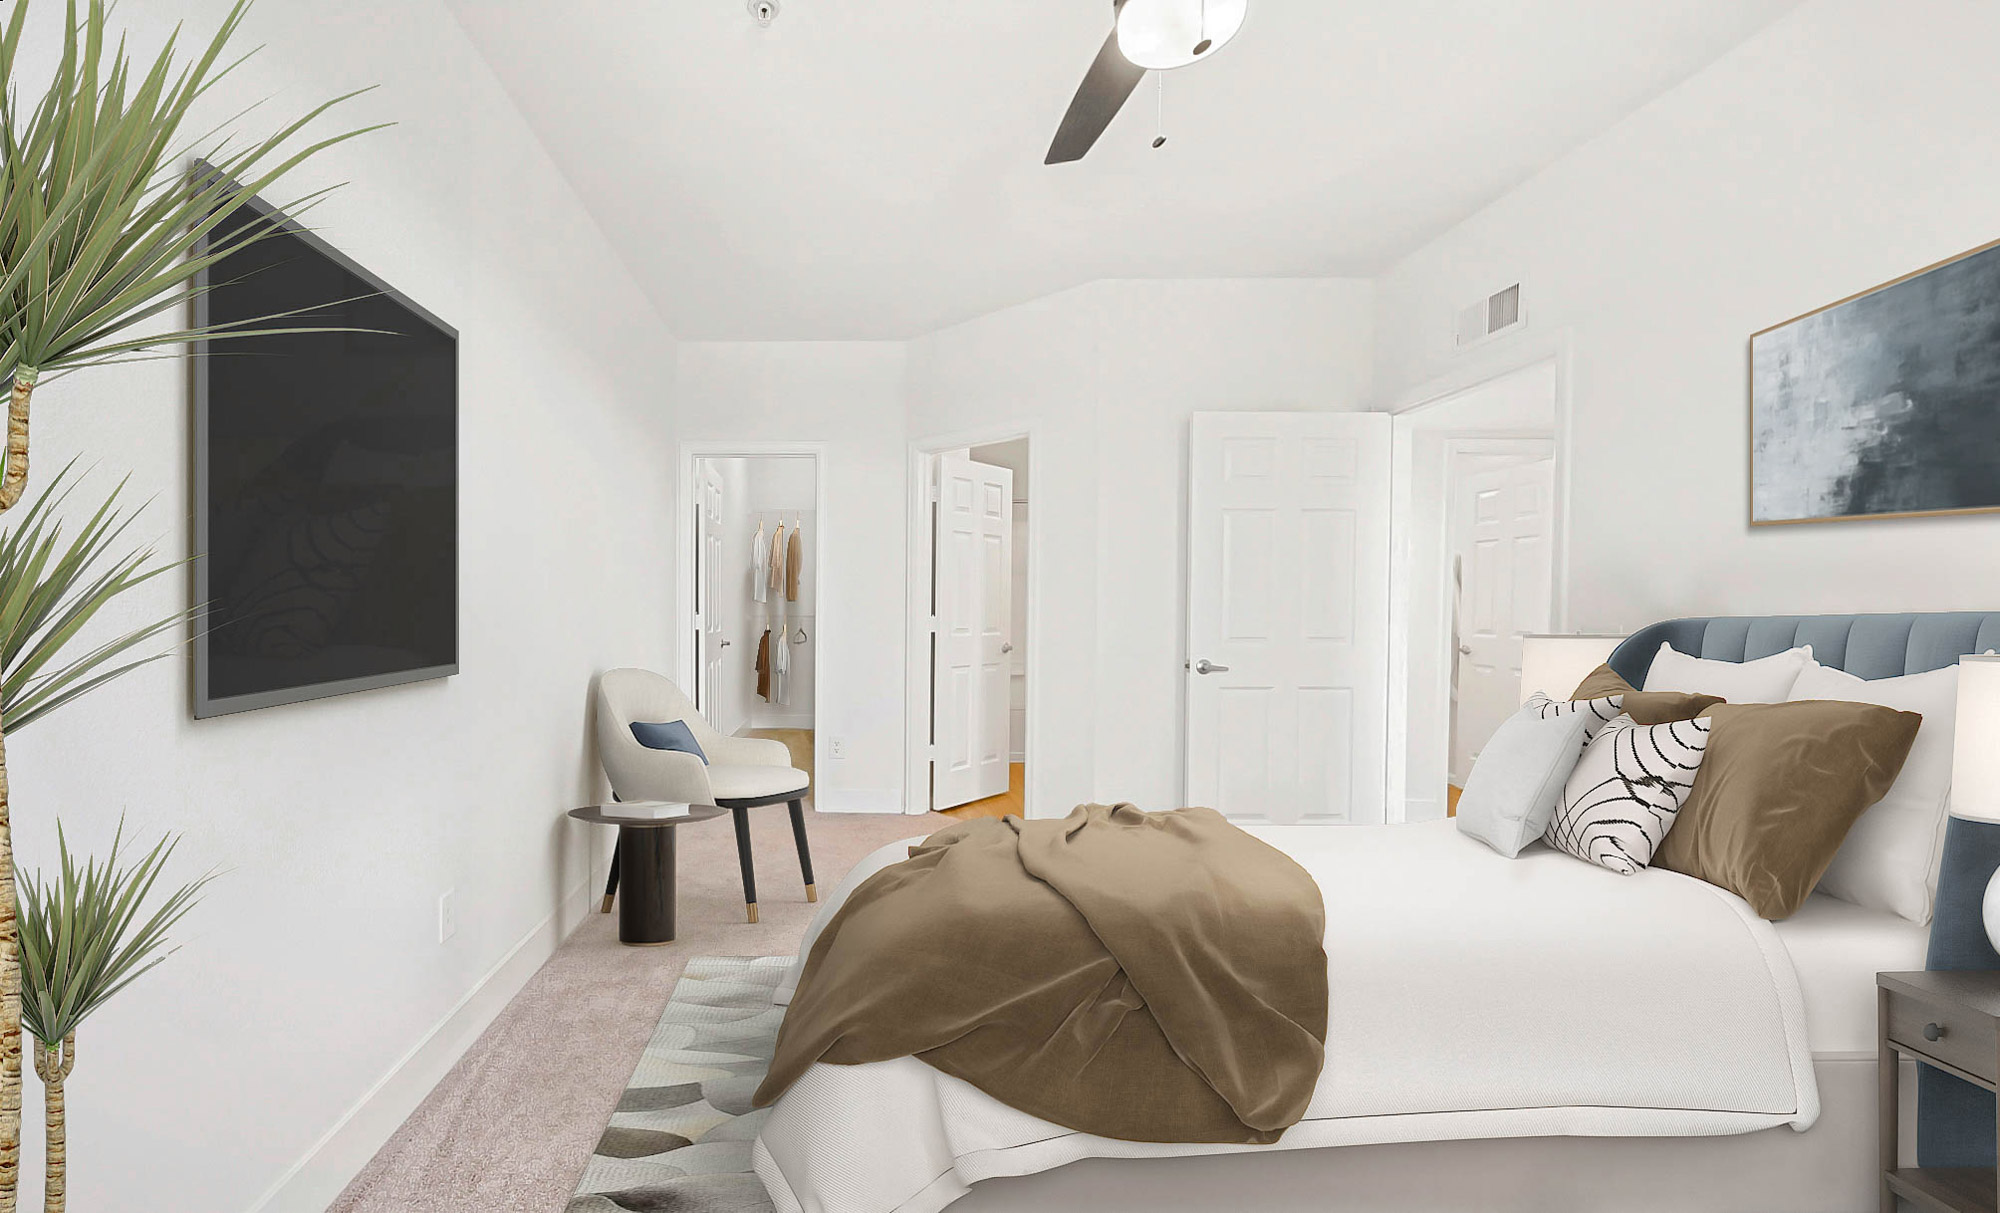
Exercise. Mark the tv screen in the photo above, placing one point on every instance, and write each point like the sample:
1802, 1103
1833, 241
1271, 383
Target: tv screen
325, 479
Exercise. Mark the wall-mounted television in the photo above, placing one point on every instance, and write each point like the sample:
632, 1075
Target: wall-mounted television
325, 478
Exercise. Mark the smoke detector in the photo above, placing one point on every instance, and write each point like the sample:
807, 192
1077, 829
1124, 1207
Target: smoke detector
764, 12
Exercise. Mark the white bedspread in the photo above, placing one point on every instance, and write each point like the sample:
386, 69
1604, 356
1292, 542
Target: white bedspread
1472, 996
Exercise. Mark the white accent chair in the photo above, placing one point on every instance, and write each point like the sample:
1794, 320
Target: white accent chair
742, 773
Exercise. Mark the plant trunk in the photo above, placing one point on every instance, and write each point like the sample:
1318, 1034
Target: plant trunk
14, 474
10, 1008
54, 1068
13, 481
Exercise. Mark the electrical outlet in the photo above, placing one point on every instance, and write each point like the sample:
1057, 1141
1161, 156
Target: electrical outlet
836, 748
447, 915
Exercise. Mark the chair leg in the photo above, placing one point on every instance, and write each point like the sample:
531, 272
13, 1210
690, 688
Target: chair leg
743, 858
611, 883
805, 852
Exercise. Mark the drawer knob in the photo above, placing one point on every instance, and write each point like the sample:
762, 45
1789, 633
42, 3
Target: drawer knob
1933, 1031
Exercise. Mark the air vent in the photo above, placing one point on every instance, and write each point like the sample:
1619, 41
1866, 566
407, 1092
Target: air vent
1490, 316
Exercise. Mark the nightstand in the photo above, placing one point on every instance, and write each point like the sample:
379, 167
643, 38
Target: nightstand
1950, 1020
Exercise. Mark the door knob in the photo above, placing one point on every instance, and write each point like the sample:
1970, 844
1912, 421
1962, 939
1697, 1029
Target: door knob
1006, 648
725, 644
1465, 650
1205, 666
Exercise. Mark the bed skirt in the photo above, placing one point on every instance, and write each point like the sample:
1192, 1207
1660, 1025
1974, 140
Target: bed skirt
1830, 1168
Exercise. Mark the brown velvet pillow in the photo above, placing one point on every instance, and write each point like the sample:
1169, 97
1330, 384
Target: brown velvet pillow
1780, 787
1644, 707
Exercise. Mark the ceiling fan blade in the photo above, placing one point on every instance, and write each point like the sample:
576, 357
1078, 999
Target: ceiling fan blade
1111, 80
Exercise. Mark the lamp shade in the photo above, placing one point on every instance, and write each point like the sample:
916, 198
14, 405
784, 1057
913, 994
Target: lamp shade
1160, 35
1975, 750
1554, 665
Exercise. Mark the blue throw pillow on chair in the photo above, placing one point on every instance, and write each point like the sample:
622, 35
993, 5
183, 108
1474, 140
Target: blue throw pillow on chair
673, 735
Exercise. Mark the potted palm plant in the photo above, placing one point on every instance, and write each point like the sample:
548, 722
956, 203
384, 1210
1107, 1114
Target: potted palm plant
99, 226
86, 933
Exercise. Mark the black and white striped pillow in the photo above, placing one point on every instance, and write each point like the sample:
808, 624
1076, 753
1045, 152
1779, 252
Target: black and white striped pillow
1602, 711
1626, 791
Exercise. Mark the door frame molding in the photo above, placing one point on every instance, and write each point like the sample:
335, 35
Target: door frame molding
917, 708
686, 654
1515, 355
1512, 355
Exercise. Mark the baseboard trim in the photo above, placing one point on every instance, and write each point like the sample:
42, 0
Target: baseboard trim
858, 800
317, 1179
781, 720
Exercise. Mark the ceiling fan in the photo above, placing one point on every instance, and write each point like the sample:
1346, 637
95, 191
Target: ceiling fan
1147, 35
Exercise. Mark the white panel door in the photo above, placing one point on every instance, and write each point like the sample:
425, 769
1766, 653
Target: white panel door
712, 604
1503, 518
973, 581
1288, 605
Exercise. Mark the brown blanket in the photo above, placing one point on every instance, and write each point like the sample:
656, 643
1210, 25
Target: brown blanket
1145, 976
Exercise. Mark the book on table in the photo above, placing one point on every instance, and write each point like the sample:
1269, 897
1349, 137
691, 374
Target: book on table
646, 810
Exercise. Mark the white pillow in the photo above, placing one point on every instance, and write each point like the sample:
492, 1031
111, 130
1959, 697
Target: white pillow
1512, 791
1890, 858
1627, 790
1765, 680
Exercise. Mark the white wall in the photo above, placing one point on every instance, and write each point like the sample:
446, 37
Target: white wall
1105, 377
849, 397
1851, 142
312, 966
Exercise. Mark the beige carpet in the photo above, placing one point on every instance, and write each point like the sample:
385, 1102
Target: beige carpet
512, 1125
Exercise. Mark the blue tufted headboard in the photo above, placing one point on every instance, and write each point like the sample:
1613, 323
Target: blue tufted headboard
1955, 1120
1866, 646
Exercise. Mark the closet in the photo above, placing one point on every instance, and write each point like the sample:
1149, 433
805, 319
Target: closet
761, 589
780, 619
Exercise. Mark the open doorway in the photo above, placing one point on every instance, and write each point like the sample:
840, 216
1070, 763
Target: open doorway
1499, 545
969, 653
751, 577
1478, 525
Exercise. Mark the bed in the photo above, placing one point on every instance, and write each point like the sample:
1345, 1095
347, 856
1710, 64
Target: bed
1707, 1059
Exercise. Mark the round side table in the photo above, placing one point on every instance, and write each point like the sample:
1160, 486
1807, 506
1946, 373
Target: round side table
645, 866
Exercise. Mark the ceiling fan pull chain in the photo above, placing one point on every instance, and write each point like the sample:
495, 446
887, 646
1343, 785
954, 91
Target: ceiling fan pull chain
1160, 110
1201, 46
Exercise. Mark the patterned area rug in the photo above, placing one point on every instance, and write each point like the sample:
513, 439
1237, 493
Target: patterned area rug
680, 1139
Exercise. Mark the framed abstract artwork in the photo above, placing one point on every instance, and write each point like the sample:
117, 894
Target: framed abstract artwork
1883, 405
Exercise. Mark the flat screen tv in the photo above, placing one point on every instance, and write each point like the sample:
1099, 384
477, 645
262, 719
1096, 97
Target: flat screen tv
325, 479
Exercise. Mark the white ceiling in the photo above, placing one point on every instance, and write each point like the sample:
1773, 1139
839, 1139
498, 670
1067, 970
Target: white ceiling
873, 168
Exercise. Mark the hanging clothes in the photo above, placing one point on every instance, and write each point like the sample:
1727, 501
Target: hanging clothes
764, 664
775, 570
795, 558
760, 559
781, 666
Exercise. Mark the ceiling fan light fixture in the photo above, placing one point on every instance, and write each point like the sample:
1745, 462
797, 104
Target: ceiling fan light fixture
1161, 35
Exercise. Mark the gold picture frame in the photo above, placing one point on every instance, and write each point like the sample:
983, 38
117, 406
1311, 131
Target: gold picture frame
1884, 404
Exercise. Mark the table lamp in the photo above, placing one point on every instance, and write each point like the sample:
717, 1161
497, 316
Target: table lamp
1975, 762
1554, 665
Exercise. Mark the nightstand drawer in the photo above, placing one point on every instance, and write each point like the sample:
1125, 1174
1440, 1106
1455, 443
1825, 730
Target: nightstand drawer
1964, 1039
